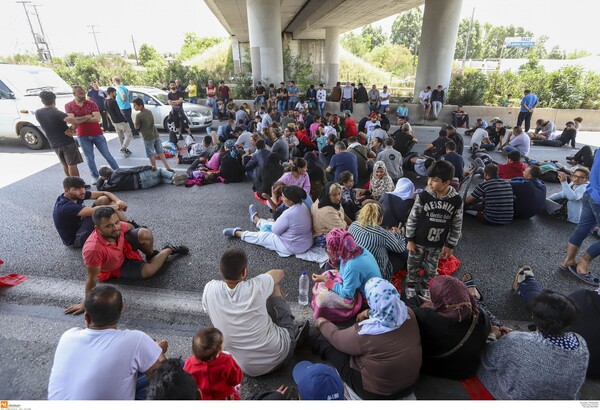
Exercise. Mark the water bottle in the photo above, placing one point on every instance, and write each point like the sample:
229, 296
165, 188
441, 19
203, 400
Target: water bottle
303, 289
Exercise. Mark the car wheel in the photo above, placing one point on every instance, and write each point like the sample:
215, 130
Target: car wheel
33, 138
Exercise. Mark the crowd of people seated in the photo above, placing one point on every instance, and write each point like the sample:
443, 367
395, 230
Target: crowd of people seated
322, 182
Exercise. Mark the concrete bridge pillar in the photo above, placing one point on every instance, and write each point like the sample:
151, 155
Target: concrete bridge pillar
438, 40
332, 55
264, 29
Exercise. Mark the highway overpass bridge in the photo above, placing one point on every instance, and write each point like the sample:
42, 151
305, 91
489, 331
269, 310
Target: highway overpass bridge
311, 28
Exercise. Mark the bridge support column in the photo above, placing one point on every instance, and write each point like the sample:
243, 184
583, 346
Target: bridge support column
438, 40
264, 29
332, 56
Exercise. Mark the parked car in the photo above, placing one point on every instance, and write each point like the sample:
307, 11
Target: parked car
156, 101
20, 86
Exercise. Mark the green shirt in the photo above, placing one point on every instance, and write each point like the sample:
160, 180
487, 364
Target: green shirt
145, 120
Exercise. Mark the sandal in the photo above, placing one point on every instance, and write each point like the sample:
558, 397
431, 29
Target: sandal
469, 282
588, 278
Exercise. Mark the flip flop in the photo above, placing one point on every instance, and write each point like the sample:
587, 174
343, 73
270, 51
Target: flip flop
588, 278
564, 268
469, 282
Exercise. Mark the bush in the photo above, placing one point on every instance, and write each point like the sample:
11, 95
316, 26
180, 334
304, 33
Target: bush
468, 88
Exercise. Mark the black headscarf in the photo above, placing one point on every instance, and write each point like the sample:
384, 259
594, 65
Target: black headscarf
324, 198
294, 193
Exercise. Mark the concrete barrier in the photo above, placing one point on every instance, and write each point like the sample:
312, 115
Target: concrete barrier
591, 118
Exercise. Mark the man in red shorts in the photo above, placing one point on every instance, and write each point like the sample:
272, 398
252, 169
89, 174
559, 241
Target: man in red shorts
112, 251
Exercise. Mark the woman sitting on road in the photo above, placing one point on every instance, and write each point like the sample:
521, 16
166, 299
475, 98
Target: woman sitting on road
356, 264
397, 204
231, 168
327, 213
453, 329
380, 181
267, 176
570, 200
380, 356
388, 247
296, 175
289, 235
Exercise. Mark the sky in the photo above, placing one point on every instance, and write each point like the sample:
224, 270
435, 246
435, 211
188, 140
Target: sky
569, 24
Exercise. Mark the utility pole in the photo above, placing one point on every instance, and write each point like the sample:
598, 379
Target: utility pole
40, 51
94, 32
35, 6
468, 39
134, 51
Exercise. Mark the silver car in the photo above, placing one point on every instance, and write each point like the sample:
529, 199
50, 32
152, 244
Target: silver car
156, 101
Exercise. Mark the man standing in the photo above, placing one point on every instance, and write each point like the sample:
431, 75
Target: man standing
98, 96
224, 93
118, 120
192, 92
384, 100
59, 134
257, 323
373, 96
88, 130
211, 99
124, 104
528, 104
72, 219
101, 362
144, 121
176, 102
347, 97
112, 251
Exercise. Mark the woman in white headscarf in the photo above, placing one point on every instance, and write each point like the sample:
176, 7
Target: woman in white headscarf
397, 204
385, 341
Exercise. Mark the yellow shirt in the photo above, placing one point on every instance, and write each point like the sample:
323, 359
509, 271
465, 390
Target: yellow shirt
192, 90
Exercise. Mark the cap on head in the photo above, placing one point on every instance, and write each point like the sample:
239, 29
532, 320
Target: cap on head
318, 381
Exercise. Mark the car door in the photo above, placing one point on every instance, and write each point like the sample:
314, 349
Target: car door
9, 112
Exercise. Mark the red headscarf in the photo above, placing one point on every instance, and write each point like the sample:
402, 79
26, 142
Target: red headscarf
341, 245
451, 298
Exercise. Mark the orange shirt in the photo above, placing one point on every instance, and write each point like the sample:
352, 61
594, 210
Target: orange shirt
97, 251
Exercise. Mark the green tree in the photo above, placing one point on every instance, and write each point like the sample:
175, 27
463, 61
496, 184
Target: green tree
354, 43
493, 43
360, 44
406, 29
467, 89
578, 54
147, 53
296, 69
373, 36
475, 50
194, 45
556, 54
393, 58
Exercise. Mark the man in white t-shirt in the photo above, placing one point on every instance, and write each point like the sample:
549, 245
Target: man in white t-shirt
256, 322
321, 99
384, 100
425, 101
480, 141
101, 362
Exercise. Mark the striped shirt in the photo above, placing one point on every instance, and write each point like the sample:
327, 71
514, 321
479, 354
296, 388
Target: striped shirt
498, 199
379, 241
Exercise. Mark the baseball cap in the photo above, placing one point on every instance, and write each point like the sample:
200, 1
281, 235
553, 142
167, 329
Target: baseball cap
318, 381
347, 112
373, 114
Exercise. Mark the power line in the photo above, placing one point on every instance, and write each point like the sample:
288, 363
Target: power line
94, 32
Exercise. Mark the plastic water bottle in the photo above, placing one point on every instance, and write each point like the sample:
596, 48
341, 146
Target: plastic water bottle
303, 289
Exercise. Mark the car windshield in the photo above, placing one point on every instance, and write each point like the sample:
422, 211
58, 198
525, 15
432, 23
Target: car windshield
162, 97
31, 82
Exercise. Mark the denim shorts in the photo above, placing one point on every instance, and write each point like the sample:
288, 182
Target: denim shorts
153, 147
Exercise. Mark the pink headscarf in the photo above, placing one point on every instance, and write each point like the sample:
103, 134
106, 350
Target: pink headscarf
451, 298
341, 245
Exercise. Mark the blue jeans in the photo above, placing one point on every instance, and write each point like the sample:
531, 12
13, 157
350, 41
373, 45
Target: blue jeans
509, 148
282, 106
590, 218
321, 108
149, 179
528, 290
87, 145
260, 101
292, 103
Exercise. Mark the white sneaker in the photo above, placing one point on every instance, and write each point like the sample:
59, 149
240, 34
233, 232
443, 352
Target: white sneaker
94, 181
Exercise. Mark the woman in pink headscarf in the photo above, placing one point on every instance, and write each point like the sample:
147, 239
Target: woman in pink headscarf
453, 329
356, 264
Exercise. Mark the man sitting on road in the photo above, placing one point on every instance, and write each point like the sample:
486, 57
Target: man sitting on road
102, 362
478, 124
529, 192
72, 219
256, 322
143, 177
544, 130
112, 251
491, 201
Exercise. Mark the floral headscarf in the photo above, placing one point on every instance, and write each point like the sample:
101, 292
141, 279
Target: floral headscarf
230, 146
387, 312
377, 186
341, 245
451, 298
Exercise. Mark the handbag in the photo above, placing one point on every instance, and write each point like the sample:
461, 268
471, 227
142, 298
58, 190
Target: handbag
332, 306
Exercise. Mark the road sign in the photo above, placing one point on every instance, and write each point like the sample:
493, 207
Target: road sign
519, 42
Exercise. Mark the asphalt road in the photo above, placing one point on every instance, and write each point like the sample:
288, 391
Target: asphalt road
168, 305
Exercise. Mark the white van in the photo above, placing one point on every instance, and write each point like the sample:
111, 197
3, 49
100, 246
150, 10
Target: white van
20, 86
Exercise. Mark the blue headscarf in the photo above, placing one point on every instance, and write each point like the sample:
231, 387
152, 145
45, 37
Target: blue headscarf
230, 146
387, 312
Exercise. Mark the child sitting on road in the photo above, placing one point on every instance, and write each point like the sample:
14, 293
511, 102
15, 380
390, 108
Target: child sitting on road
215, 371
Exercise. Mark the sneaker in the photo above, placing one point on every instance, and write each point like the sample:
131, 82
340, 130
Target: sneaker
252, 212
180, 179
411, 292
522, 273
177, 249
136, 225
94, 181
127, 152
154, 253
231, 231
